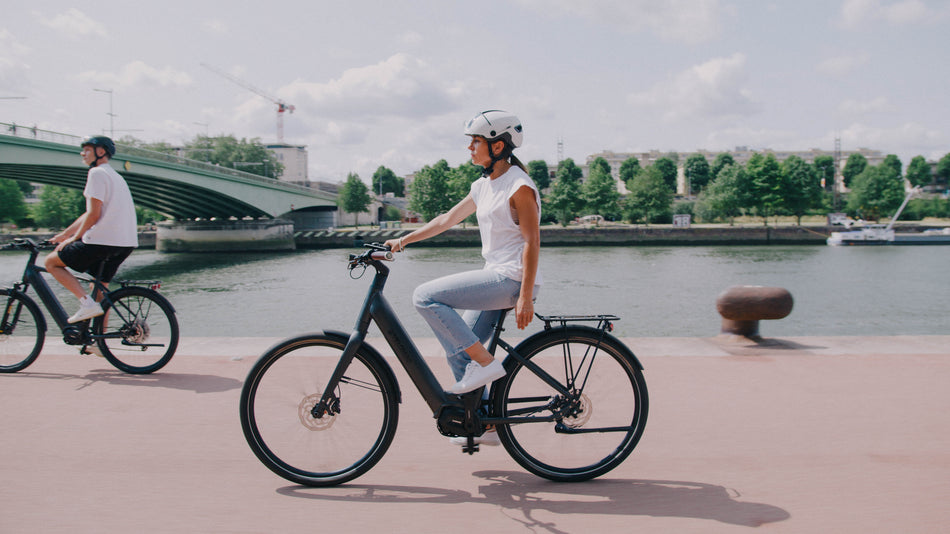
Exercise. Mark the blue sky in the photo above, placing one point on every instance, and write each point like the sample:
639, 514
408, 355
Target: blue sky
391, 83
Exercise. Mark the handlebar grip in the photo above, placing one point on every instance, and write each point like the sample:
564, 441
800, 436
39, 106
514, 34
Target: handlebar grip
382, 255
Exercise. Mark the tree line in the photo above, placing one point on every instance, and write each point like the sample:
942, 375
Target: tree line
718, 192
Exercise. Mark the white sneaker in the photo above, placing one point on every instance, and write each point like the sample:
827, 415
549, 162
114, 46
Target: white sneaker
477, 376
489, 439
86, 313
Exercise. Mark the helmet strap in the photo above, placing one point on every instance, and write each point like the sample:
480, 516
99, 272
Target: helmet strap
495, 159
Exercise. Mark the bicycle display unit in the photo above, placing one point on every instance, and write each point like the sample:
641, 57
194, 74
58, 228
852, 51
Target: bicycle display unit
321, 409
138, 333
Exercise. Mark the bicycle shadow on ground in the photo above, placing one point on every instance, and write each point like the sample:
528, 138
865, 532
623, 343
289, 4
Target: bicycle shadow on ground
180, 381
526, 494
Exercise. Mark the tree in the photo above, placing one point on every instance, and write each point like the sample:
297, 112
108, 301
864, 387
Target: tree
722, 199
600, 191
629, 170
825, 170
565, 199
59, 206
943, 169
803, 190
854, 166
354, 197
892, 161
538, 172
650, 197
768, 186
12, 205
461, 179
698, 173
918, 172
667, 169
722, 160
226, 151
877, 191
390, 182
430, 193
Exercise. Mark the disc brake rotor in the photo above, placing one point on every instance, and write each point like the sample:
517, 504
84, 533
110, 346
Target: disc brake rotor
582, 414
138, 331
308, 420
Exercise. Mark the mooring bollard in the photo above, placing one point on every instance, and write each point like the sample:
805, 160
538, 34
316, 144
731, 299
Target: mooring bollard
742, 307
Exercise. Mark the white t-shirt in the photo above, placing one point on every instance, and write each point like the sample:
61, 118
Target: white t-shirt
502, 242
117, 224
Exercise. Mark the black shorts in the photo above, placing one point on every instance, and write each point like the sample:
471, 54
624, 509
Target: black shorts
85, 258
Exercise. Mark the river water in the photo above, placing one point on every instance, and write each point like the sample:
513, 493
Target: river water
657, 291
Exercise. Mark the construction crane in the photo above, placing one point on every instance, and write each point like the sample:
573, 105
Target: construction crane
281, 105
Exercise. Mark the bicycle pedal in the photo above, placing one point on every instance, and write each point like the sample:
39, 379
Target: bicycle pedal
470, 450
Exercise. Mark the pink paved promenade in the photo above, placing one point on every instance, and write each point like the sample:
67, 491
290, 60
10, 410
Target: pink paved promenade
817, 434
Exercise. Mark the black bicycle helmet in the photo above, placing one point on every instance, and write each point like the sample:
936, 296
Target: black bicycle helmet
100, 141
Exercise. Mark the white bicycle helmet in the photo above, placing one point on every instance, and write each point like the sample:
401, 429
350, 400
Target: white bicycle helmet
496, 124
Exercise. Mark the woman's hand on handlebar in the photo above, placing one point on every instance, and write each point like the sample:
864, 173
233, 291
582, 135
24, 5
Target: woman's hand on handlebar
395, 245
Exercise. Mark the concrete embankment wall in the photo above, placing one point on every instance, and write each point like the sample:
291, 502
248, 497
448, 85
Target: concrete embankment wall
146, 238
588, 236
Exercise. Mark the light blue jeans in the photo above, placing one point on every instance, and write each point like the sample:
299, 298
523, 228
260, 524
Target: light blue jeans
481, 294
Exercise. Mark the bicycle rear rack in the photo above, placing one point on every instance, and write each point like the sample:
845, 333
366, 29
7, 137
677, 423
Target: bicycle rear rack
604, 321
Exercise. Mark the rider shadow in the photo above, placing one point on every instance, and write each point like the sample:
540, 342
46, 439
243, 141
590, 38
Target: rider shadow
528, 494
179, 381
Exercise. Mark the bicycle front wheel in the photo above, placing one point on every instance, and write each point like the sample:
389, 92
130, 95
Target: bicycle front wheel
22, 331
138, 333
347, 439
586, 432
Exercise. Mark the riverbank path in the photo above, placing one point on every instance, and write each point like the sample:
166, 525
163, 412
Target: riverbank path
816, 434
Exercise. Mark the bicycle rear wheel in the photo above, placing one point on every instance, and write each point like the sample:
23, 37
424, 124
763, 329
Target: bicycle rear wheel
595, 427
138, 333
22, 331
277, 403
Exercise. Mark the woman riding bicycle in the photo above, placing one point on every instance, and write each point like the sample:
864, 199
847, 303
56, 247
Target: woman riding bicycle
508, 207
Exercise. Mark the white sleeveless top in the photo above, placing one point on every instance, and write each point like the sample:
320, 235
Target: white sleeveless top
502, 242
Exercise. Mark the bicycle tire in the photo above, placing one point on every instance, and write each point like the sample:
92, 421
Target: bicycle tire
138, 333
609, 392
285, 384
22, 331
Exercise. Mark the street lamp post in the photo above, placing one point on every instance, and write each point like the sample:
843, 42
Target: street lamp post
111, 114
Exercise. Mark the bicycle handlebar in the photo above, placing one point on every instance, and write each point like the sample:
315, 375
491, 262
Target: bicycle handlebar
21, 243
376, 252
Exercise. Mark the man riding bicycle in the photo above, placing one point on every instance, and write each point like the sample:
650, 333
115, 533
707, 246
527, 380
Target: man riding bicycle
103, 236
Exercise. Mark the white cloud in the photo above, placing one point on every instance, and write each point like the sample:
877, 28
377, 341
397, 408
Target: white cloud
856, 13
72, 23
906, 140
411, 38
713, 89
401, 85
689, 21
138, 73
855, 107
842, 65
216, 26
13, 68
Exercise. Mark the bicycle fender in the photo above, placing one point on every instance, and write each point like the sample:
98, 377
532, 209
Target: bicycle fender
373, 353
595, 332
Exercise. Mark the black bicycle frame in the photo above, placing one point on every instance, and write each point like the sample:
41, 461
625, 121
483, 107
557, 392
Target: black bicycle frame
377, 309
33, 277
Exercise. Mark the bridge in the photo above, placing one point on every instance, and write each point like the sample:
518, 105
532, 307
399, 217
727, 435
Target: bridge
181, 188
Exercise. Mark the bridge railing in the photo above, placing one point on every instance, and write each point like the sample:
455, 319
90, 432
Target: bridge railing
32, 132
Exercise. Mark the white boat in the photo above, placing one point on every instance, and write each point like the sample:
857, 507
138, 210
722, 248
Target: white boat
878, 234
